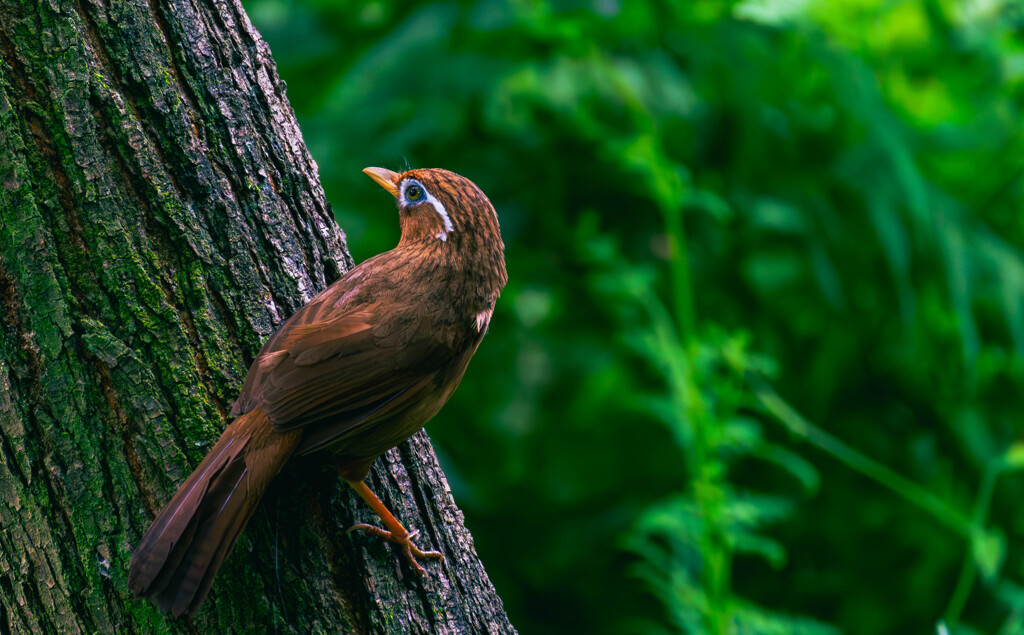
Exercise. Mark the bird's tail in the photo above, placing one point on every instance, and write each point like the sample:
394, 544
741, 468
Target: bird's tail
176, 561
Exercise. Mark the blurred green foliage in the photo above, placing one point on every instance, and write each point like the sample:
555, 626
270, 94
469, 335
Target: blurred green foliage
758, 368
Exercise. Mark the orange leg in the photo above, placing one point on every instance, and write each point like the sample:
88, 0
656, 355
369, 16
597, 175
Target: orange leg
395, 532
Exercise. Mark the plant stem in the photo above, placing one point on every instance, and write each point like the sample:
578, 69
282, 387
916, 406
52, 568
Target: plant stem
682, 291
904, 487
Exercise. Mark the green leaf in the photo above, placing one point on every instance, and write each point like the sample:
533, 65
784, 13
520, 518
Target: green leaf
989, 550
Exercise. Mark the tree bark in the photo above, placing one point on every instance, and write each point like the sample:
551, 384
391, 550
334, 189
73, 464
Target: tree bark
159, 217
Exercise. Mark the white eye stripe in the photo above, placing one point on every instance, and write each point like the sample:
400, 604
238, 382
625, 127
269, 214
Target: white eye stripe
429, 198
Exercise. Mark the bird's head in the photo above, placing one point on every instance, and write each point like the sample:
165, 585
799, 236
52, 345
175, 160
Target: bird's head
440, 208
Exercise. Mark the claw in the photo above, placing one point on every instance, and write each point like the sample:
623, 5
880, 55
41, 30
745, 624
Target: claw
404, 541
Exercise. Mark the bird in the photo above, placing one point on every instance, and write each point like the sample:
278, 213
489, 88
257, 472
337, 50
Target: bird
354, 372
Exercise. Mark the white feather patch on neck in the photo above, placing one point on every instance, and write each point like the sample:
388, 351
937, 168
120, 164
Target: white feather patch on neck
483, 318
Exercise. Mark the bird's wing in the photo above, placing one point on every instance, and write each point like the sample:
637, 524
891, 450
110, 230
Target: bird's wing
345, 370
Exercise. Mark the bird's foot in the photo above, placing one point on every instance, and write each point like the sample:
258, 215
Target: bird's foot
404, 540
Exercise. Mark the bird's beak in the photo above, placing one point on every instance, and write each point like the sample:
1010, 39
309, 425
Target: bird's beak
385, 178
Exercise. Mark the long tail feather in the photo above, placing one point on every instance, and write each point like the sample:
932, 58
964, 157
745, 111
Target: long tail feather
176, 561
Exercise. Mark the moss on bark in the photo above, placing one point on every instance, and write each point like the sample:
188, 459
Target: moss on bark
159, 216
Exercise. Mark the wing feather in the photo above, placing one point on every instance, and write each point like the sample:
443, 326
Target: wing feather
331, 371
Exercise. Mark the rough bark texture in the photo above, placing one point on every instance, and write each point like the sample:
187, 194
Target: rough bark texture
159, 216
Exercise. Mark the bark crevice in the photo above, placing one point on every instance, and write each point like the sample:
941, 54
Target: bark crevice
160, 216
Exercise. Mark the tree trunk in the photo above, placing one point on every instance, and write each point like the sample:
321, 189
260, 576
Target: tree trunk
159, 217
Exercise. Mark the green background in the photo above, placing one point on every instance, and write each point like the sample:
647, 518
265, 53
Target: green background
758, 367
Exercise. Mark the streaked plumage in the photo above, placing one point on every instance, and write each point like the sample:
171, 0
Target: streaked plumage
356, 371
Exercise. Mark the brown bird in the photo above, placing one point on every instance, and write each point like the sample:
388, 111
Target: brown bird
355, 372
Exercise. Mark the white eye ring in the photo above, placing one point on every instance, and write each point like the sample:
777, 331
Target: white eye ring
424, 196
414, 193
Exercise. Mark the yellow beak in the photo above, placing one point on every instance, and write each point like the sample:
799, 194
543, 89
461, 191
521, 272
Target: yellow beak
385, 178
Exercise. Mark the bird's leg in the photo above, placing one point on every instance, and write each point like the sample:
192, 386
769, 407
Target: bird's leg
394, 531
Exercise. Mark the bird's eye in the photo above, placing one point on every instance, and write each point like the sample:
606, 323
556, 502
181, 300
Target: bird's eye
414, 193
